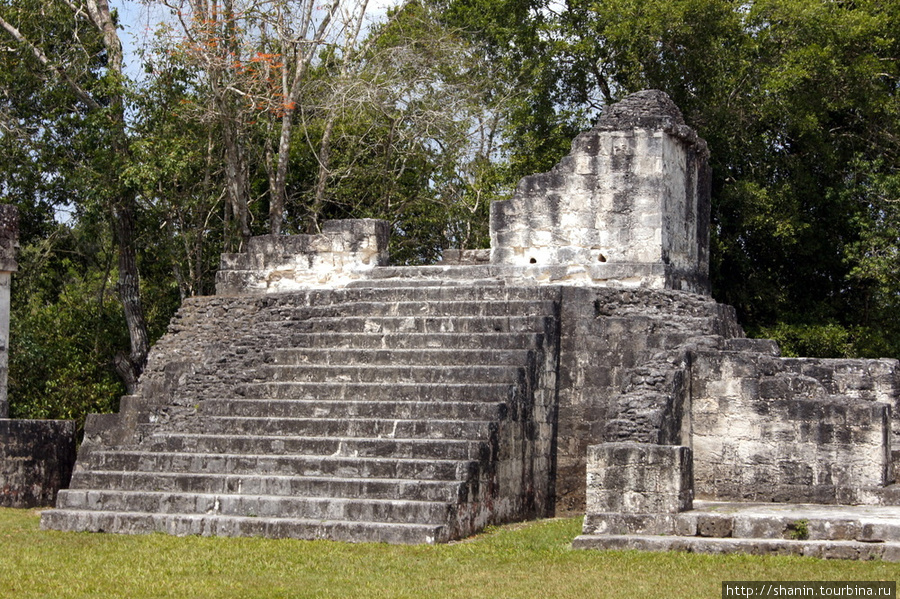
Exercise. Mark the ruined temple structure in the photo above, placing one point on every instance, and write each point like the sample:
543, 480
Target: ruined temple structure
579, 366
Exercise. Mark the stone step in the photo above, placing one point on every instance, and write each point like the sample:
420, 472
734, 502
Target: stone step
422, 357
870, 524
305, 465
264, 506
857, 550
890, 495
319, 408
746, 520
439, 308
390, 280
389, 375
428, 277
421, 449
350, 427
280, 485
236, 526
498, 341
416, 392
408, 324
362, 292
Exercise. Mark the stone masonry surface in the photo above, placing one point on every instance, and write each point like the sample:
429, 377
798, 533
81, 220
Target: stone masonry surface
633, 191
399, 414
36, 461
342, 252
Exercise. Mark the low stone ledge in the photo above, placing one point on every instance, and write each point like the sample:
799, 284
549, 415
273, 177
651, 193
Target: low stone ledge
619, 275
36, 461
889, 552
629, 524
466, 256
761, 521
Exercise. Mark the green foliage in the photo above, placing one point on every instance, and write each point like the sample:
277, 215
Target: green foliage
799, 530
413, 124
65, 326
827, 341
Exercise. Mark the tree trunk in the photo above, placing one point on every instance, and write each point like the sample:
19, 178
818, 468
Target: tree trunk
324, 172
123, 205
131, 366
236, 185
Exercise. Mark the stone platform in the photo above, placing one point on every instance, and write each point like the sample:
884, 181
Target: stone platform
811, 530
578, 366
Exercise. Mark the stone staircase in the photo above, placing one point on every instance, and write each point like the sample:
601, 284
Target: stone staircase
403, 414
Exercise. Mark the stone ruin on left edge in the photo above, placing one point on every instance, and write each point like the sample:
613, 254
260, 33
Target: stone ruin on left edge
36, 456
579, 366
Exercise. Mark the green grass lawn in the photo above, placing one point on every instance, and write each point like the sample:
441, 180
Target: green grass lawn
531, 560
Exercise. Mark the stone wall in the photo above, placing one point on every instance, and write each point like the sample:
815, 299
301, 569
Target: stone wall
766, 428
343, 252
630, 202
36, 461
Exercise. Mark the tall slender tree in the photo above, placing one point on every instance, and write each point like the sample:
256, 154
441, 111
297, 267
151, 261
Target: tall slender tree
94, 76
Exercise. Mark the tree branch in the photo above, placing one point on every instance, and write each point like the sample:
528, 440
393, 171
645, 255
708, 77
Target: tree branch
83, 95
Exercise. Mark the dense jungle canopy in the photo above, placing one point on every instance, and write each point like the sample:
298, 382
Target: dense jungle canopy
134, 171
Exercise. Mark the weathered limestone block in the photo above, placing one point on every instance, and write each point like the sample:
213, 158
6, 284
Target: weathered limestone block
639, 478
343, 252
9, 237
36, 461
629, 205
637, 488
466, 257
